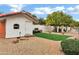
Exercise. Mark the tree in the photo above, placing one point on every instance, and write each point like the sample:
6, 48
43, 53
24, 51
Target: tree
59, 19
49, 21
41, 21
34, 15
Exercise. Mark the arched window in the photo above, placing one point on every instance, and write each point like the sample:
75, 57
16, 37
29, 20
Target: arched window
16, 26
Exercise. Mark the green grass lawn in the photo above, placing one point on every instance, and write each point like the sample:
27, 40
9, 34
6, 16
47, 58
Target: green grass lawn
51, 36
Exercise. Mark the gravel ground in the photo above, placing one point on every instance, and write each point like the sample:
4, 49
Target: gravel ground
33, 46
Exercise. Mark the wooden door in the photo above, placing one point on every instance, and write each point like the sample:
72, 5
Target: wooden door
2, 29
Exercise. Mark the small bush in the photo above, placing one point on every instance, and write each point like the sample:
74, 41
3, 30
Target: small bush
70, 47
15, 41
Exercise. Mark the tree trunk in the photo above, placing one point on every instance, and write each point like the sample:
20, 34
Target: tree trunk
57, 28
66, 28
62, 30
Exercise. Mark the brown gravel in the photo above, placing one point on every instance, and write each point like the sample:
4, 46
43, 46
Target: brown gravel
33, 46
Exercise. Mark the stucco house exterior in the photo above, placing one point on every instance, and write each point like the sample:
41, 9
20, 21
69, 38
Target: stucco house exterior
16, 24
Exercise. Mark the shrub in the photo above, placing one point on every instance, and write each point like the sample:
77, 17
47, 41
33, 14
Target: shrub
15, 41
70, 47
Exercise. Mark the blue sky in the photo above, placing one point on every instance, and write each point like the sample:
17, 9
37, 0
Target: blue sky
42, 10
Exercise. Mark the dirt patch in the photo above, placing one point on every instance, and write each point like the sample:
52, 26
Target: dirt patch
32, 46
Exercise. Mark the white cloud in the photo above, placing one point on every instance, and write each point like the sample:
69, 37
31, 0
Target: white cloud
13, 10
77, 7
37, 12
16, 7
73, 10
42, 10
47, 10
70, 9
60, 8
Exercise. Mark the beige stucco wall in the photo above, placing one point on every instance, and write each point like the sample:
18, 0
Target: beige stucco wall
26, 26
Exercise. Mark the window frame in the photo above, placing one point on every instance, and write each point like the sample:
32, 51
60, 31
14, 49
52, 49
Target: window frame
16, 26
